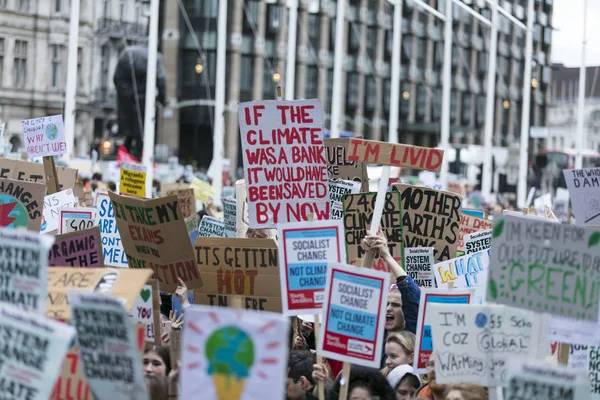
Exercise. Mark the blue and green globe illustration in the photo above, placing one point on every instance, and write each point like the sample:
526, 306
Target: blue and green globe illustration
12, 213
51, 131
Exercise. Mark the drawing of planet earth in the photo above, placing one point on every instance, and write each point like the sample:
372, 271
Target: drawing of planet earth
51, 131
230, 351
12, 212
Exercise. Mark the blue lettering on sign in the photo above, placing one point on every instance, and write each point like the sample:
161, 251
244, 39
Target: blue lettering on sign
112, 248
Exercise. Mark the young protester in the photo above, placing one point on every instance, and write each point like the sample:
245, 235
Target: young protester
364, 384
157, 361
399, 350
404, 382
466, 391
158, 388
300, 383
432, 390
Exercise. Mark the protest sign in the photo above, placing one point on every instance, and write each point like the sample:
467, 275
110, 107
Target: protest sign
112, 247
132, 180
44, 136
545, 267
239, 267
474, 213
72, 219
304, 251
24, 269
354, 315
77, 249
430, 218
423, 340
202, 190
154, 236
473, 343
192, 223
578, 356
34, 172
166, 189
21, 204
52, 204
228, 192
107, 347
229, 217
418, 263
233, 354
339, 167
337, 190
593, 363
187, 201
467, 271
470, 224
241, 214
541, 202
33, 348
123, 284
284, 161
584, 189
211, 227
146, 311
478, 241
531, 380
394, 154
358, 214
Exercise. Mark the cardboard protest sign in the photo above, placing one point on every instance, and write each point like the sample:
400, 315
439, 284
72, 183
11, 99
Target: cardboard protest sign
430, 218
423, 340
112, 247
545, 267
21, 204
202, 190
154, 236
358, 213
187, 201
584, 189
337, 190
229, 217
52, 204
167, 189
284, 161
146, 311
132, 180
44, 136
106, 343
304, 251
123, 284
77, 249
339, 167
211, 227
239, 267
242, 218
354, 315
470, 224
72, 219
418, 263
473, 344
478, 241
34, 172
394, 154
233, 354
24, 269
33, 348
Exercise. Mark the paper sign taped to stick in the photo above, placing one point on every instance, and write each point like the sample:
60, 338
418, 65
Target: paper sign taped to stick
52, 204
106, 343
354, 315
470, 224
430, 218
154, 236
44, 136
24, 269
584, 188
284, 161
202, 190
337, 190
146, 311
229, 217
478, 241
394, 154
423, 340
77, 249
304, 251
545, 267
72, 219
211, 227
123, 284
418, 263
112, 247
339, 167
186, 199
473, 344
21, 204
132, 180
239, 267
33, 348
233, 354
34, 172
358, 213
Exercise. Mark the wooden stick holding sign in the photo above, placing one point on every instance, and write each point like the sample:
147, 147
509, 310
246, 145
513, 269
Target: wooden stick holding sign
320, 383
51, 175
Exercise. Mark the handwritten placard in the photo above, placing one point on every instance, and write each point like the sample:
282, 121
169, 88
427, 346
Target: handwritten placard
394, 154
72, 219
34, 172
52, 204
21, 204
77, 249
44, 136
211, 227
339, 167
467, 271
146, 311
470, 224
132, 180
186, 199
418, 263
202, 190
112, 248
584, 188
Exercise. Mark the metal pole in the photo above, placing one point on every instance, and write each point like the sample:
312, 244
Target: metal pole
581, 100
290, 66
525, 126
446, 86
71, 89
150, 109
395, 79
486, 184
338, 65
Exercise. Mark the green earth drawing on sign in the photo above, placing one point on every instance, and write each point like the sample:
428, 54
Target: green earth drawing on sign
51, 131
12, 213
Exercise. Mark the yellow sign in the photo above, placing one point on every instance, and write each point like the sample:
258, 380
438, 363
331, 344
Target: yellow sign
202, 190
133, 180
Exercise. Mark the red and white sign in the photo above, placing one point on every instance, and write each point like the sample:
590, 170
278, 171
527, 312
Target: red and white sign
284, 161
354, 315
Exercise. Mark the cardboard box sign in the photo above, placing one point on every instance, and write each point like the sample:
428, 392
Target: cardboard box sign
154, 236
123, 283
239, 267
21, 204
77, 249
430, 218
339, 167
187, 201
34, 172
394, 154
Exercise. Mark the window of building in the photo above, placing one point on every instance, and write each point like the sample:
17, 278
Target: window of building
273, 16
56, 65
23, 5
354, 44
106, 8
421, 101
371, 37
104, 59
352, 95
1, 60
251, 15
269, 86
405, 102
2, 3
122, 11
386, 95
57, 6
20, 64
421, 52
453, 105
313, 29
370, 93
80, 81
437, 104
466, 108
246, 74
406, 49
329, 89
312, 80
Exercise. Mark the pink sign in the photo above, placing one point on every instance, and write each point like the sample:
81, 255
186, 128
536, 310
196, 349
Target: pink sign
77, 249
